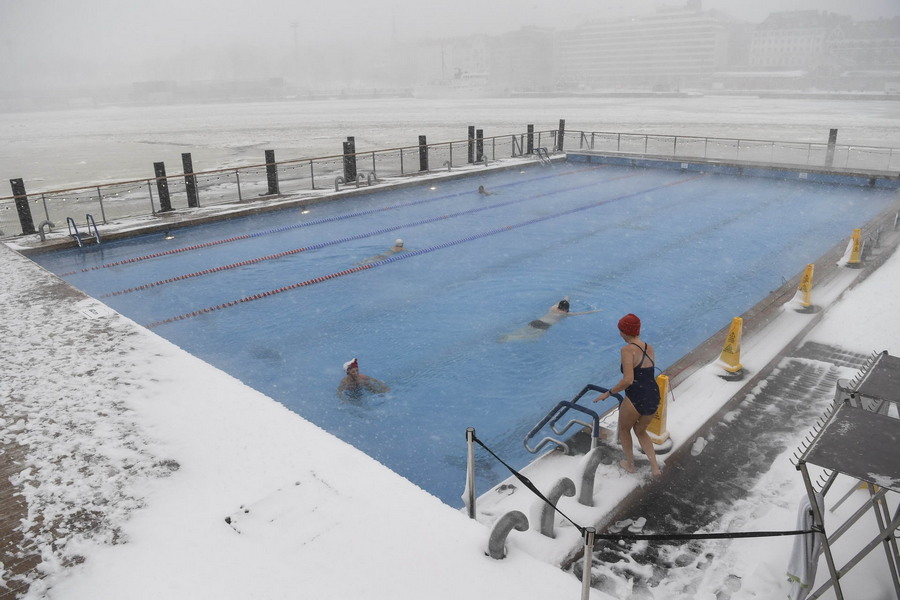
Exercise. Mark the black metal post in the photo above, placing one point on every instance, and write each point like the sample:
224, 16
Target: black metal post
479, 145
350, 161
190, 180
561, 136
348, 167
471, 144
423, 153
832, 141
162, 186
272, 173
22, 207
530, 140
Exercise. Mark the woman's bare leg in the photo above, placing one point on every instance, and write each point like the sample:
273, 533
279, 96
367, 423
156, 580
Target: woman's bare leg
640, 430
628, 418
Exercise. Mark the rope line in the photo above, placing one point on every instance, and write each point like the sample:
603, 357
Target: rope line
412, 253
527, 483
283, 228
647, 536
321, 245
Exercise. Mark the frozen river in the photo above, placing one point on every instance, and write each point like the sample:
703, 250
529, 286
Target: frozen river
61, 149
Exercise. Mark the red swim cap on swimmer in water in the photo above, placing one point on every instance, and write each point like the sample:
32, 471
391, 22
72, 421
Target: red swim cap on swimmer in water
630, 325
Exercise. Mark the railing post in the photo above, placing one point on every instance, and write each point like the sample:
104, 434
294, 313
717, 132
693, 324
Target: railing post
190, 180
350, 159
832, 140
272, 173
471, 144
423, 153
100, 200
22, 207
530, 147
162, 186
479, 145
561, 137
150, 191
589, 533
469, 495
237, 177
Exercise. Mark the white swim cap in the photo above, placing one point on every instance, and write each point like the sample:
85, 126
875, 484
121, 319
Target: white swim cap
350, 363
398, 242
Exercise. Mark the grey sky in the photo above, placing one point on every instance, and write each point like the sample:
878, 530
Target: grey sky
103, 40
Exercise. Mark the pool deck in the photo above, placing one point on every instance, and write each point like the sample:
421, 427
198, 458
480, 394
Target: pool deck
35, 334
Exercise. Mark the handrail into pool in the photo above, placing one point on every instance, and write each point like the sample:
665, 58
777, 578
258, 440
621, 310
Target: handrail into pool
558, 411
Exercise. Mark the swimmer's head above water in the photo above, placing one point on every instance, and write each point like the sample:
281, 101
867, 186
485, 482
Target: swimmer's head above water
563, 304
351, 364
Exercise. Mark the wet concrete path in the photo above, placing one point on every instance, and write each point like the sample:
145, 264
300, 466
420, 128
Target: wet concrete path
709, 474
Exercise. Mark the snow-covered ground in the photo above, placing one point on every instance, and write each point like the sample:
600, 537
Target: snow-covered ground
154, 449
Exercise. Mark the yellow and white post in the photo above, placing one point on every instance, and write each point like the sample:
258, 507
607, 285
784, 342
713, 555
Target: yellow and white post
852, 255
658, 429
730, 359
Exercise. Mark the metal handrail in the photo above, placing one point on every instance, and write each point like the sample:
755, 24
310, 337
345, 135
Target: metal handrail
558, 412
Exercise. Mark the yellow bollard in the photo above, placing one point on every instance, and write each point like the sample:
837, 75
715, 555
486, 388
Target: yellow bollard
730, 359
852, 255
657, 429
803, 297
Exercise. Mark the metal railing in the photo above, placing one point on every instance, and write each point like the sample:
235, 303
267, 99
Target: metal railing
802, 154
140, 197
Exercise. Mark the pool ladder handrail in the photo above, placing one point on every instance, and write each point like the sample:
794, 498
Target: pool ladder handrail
78, 236
543, 156
557, 413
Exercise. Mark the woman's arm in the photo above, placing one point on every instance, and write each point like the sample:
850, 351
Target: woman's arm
627, 375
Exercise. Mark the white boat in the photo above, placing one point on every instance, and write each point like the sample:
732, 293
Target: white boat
463, 85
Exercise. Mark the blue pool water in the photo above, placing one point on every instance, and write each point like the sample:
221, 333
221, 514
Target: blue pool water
685, 251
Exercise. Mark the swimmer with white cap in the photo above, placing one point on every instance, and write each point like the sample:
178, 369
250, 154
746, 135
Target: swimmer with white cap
397, 247
355, 383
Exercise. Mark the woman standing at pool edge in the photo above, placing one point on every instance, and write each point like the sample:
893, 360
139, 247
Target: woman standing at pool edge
641, 393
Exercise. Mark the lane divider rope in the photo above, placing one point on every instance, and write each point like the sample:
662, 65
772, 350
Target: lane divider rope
342, 240
410, 254
283, 228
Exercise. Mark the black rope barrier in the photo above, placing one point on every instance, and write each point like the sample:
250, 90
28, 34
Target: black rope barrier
646, 536
527, 483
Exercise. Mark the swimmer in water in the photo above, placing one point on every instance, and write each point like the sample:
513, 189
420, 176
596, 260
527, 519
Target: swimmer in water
538, 327
395, 249
355, 383
484, 192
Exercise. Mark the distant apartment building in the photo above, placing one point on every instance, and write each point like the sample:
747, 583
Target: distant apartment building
814, 50
676, 48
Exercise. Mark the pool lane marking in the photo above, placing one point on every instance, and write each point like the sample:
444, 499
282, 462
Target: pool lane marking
284, 228
358, 236
412, 253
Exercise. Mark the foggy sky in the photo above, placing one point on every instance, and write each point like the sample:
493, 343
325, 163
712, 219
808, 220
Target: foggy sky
89, 42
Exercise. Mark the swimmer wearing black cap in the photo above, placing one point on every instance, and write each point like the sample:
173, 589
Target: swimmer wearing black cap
554, 315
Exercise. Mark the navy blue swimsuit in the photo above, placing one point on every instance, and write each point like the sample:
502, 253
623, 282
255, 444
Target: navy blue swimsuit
643, 392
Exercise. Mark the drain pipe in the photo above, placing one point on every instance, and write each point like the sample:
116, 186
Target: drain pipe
563, 487
514, 519
469, 493
41, 229
586, 496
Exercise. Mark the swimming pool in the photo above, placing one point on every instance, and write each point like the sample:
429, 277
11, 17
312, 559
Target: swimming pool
281, 300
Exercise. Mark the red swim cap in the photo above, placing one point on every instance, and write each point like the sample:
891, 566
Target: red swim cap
630, 325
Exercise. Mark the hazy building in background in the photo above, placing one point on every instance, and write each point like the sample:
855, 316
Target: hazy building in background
676, 48
680, 49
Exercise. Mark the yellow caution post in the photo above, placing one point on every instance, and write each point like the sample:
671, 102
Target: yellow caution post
853, 254
802, 300
658, 429
730, 359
